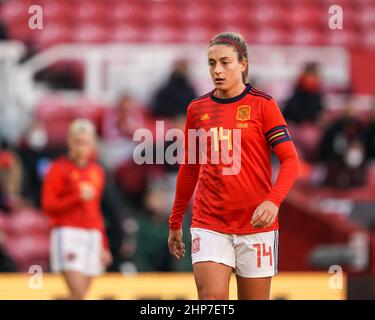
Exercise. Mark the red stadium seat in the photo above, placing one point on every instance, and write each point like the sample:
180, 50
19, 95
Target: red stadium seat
162, 33
230, 13
15, 11
343, 37
127, 13
195, 14
198, 34
52, 34
51, 109
269, 36
17, 31
87, 111
91, 12
305, 16
306, 36
28, 250
127, 33
160, 12
263, 16
57, 11
367, 38
366, 16
91, 33
27, 222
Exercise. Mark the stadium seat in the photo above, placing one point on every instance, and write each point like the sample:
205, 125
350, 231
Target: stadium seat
26, 222
158, 12
12, 11
57, 12
52, 34
127, 33
91, 12
198, 34
127, 13
306, 36
162, 33
26, 250
50, 109
269, 36
305, 16
366, 16
367, 37
343, 37
91, 33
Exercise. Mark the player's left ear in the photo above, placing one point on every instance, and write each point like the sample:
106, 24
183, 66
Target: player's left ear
243, 64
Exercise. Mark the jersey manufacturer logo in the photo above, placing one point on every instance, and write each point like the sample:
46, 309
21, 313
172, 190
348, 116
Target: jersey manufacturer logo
243, 113
195, 246
205, 117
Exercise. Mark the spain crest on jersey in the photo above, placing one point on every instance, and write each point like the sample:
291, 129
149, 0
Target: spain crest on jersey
243, 113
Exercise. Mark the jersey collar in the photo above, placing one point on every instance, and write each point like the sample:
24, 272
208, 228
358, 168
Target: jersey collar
233, 99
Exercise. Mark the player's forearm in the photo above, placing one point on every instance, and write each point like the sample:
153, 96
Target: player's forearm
53, 204
186, 182
289, 168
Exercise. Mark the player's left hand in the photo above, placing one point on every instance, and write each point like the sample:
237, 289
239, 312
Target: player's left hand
106, 258
265, 215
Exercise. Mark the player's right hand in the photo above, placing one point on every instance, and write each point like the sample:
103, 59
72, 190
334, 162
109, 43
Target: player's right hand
87, 191
175, 244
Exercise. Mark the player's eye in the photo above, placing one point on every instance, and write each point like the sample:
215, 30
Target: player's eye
211, 63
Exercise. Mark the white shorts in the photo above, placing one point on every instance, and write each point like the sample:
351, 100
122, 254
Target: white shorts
76, 249
250, 255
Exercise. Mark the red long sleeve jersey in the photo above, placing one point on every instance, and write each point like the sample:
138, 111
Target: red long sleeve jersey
61, 196
226, 202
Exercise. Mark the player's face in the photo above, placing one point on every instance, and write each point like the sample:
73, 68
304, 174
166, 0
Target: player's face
225, 69
81, 146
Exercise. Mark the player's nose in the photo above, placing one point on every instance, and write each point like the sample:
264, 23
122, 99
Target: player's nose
218, 70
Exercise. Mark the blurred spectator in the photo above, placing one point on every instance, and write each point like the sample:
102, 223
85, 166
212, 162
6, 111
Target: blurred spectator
36, 157
172, 100
152, 251
305, 104
342, 149
10, 178
111, 205
124, 119
370, 135
3, 32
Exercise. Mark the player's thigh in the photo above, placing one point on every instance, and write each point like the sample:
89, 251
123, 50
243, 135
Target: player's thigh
213, 258
212, 280
253, 288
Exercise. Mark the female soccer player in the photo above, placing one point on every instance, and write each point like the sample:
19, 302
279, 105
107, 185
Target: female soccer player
71, 198
235, 223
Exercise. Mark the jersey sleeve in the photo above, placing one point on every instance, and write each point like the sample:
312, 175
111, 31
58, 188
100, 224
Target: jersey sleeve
274, 125
186, 179
55, 200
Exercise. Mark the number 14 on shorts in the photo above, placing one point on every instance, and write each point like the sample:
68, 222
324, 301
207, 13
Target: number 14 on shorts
262, 251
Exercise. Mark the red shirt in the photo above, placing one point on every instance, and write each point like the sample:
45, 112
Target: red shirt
61, 196
226, 203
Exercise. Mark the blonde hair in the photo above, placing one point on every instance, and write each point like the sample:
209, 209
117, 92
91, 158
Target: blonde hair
238, 43
81, 126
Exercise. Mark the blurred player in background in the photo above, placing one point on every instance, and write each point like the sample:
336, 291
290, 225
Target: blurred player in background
71, 197
235, 217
